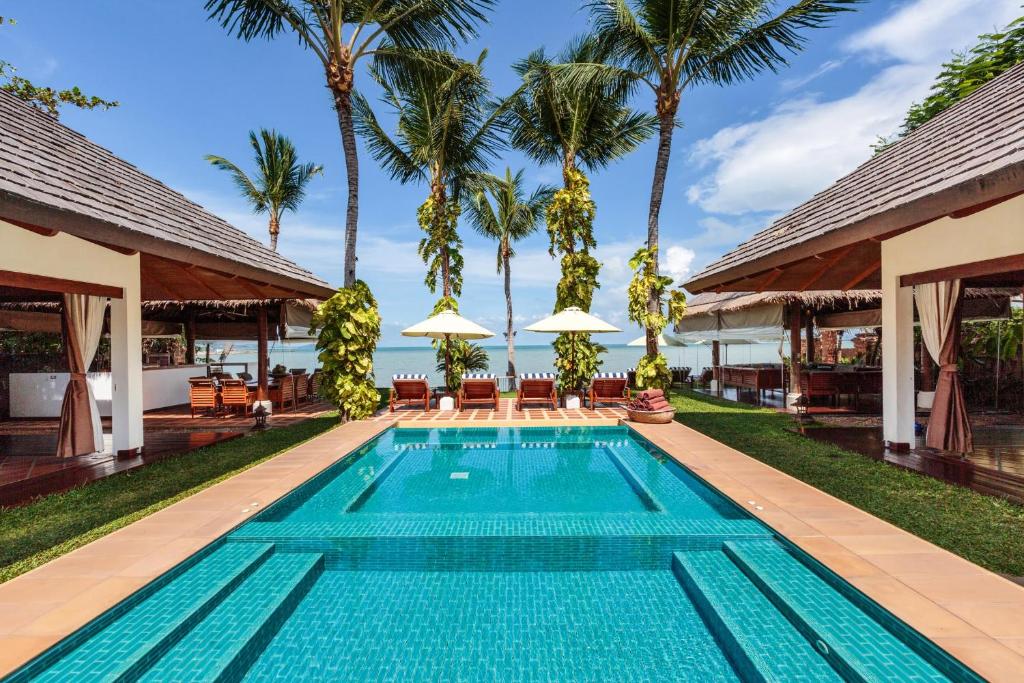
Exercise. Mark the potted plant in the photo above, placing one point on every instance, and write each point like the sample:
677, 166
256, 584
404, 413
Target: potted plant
279, 371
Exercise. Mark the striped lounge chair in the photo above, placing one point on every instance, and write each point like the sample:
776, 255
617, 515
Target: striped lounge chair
478, 388
410, 390
537, 387
608, 387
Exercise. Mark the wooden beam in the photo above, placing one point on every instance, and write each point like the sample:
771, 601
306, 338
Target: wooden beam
862, 275
772, 277
262, 368
45, 232
825, 266
44, 283
195, 279
1004, 264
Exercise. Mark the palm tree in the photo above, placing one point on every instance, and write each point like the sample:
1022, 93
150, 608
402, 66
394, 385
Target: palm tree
575, 122
511, 218
280, 182
446, 132
374, 28
671, 45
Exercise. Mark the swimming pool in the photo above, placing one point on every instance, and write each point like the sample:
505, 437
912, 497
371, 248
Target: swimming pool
556, 554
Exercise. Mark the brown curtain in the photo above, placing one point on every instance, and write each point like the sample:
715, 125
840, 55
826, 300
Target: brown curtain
940, 306
79, 431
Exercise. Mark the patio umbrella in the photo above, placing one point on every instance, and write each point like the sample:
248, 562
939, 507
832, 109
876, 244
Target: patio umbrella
447, 325
572, 321
663, 341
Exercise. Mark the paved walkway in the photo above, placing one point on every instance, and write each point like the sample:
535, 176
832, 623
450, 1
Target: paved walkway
505, 415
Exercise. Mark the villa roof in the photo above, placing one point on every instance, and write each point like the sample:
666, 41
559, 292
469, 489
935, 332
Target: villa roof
55, 179
967, 157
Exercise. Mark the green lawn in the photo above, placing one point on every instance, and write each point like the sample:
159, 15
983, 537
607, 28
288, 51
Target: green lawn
57, 524
983, 529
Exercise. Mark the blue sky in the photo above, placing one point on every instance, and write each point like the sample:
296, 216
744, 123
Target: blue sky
744, 155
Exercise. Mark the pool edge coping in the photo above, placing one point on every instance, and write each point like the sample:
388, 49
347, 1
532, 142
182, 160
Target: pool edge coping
913, 579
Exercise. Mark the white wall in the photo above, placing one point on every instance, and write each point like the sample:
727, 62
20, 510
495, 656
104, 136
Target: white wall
70, 258
40, 394
993, 233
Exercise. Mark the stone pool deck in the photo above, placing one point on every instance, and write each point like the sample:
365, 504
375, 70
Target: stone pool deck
971, 612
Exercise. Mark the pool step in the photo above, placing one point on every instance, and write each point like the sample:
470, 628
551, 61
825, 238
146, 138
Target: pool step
766, 647
233, 635
134, 641
859, 647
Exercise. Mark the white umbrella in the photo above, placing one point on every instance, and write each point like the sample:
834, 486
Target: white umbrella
447, 325
663, 341
572, 320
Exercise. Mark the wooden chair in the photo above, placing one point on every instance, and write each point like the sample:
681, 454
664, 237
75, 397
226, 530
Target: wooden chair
409, 390
477, 389
537, 388
301, 381
608, 387
202, 395
234, 394
817, 383
313, 386
284, 392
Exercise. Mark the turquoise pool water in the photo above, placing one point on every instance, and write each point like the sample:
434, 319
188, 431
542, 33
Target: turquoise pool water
532, 554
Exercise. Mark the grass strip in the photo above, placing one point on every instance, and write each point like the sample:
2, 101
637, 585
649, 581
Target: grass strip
57, 524
983, 529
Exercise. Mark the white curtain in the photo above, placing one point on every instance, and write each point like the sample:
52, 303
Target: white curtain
85, 314
936, 306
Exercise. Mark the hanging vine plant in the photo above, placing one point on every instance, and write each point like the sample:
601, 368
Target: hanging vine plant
570, 222
652, 371
349, 329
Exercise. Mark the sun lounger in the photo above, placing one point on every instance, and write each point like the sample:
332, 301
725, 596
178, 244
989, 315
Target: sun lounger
537, 387
608, 387
410, 390
477, 389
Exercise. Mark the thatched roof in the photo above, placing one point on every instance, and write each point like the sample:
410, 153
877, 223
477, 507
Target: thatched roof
55, 178
703, 304
968, 155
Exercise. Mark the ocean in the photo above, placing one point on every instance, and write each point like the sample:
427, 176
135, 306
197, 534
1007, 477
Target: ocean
388, 361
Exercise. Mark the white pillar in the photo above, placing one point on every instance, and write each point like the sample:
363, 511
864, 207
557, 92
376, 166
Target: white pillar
126, 365
897, 356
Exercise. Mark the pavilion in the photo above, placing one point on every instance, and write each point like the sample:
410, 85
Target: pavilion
933, 214
81, 227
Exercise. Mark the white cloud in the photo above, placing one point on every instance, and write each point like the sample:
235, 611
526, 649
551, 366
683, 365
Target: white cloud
823, 68
774, 163
678, 262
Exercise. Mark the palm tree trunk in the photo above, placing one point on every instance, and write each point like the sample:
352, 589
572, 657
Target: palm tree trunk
509, 332
275, 230
343, 107
665, 129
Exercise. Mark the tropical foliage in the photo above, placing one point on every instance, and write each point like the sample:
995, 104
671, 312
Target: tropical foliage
280, 181
513, 216
388, 30
582, 123
45, 98
652, 371
349, 329
466, 357
671, 45
964, 73
446, 132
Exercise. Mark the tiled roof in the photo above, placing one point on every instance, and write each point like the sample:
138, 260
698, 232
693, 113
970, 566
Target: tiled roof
48, 166
977, 139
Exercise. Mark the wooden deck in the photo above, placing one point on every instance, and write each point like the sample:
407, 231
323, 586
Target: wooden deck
996, 467
506, 414
28, 469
